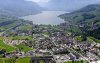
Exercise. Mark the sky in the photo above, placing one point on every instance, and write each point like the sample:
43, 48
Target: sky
39, 0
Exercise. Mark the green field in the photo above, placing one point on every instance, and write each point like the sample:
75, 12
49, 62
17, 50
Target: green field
9, 48
24, 60
94, 39
21, 38
4, 60
23, 47
12, 60
41, 61
6, 47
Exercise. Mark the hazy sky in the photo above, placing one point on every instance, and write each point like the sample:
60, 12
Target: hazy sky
62, 0
39, 0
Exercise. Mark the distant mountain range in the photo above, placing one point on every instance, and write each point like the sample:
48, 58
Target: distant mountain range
11, 24
19, 7
10, 10
23, 8
69, 5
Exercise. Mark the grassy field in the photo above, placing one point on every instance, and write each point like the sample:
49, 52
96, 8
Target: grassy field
94, 39
23, 47
24, 60
12, 60
9, 48
21, 38
20, 60
25, 27
6, 47
41, 61
4, 60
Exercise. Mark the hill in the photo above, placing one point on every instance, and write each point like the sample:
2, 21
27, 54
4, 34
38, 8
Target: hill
87, 20
68, 5
19, 7
12, 26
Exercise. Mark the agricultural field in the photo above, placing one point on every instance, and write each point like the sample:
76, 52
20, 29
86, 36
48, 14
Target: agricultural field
6, 47
23, 47
4, 60
23, 60
21, 38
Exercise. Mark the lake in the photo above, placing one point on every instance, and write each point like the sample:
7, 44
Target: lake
46, 17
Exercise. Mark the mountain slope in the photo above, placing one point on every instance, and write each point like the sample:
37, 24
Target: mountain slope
10, 26
19, 7
68, 5
86, 19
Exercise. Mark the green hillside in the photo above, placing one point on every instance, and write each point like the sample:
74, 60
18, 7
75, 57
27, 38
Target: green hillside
11, 25
85, 20
6, 47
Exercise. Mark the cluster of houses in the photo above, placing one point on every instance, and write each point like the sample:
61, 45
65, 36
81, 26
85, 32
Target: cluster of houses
12, 42
58, 45
66, 48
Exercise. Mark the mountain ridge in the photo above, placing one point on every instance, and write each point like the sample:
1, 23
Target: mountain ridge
86, 19
69, 5
19, 7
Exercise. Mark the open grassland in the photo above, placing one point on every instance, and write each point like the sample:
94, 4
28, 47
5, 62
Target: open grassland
23, 60
21, 38
4, 60
6, 47
23, 47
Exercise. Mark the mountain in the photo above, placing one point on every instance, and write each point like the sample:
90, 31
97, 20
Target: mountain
68, 5
19, 7
10, 26
86, 19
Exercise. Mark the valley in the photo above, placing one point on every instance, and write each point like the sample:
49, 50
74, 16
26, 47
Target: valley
49, 36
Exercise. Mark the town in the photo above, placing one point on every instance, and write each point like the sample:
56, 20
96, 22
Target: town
49, 31
46, 43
